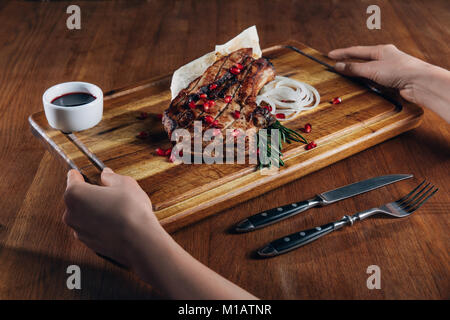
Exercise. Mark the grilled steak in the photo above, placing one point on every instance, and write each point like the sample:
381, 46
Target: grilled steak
224, 96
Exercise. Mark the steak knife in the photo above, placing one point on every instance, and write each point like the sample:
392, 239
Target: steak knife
274, 215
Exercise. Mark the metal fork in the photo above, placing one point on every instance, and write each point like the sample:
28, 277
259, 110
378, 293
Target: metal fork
399, 209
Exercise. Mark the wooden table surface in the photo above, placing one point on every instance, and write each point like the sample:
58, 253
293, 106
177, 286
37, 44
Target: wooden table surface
125, 42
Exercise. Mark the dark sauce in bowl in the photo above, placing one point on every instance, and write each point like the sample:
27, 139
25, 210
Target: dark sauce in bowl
73, 99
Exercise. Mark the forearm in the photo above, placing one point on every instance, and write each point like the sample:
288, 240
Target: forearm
169, 268
431, 89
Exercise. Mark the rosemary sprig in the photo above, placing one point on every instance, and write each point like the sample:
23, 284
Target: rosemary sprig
285, 135
288, 133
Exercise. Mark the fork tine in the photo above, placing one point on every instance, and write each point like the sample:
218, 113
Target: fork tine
423, 201
413, 202
419, 194
407, 202
409, 194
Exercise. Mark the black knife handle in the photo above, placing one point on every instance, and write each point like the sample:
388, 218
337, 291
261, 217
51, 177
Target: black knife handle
298, 239
274, 215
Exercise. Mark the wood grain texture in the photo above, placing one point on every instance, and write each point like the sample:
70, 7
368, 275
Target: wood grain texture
196, 191
128, 42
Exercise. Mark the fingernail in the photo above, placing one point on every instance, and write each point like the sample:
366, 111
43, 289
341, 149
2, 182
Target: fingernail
339, 66
108, 170
69, 176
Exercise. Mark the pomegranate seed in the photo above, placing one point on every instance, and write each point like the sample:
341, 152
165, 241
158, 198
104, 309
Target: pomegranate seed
280, 116
209, 119
192, 105
212, 86
235, 133
228, 99
239, 66
143, 115
181, 153
160, 152
215, 123
216, 132
307, 128
235, 70
203, 96
212, 103
337, 100
142, 135
268, 107
236, 114
168, 152
159, 116
310, 145
206, 106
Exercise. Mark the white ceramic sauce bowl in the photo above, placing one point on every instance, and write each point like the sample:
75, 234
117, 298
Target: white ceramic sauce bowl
77, 118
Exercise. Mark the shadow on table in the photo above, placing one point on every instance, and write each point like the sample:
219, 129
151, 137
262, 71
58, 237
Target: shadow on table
25, 274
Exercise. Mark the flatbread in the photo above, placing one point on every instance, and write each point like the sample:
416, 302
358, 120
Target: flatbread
189, 72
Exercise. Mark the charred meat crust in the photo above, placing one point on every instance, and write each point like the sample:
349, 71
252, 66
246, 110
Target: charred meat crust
179, 111
219, 83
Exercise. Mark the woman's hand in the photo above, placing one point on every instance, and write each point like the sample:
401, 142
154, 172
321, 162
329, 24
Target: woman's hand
385, 65
112, 219
117, 221
417, 81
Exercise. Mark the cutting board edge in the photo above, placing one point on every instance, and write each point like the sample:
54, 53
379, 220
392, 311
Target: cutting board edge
49, 144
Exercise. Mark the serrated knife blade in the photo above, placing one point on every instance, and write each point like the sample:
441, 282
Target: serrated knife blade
356, 188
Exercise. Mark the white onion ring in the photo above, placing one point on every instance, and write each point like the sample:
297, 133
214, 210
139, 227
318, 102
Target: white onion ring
289, 97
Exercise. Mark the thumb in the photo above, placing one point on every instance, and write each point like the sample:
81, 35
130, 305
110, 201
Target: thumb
74, 177
109, 178
356, 69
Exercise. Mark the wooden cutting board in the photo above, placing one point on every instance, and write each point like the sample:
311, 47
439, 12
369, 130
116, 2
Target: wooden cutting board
182, 194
